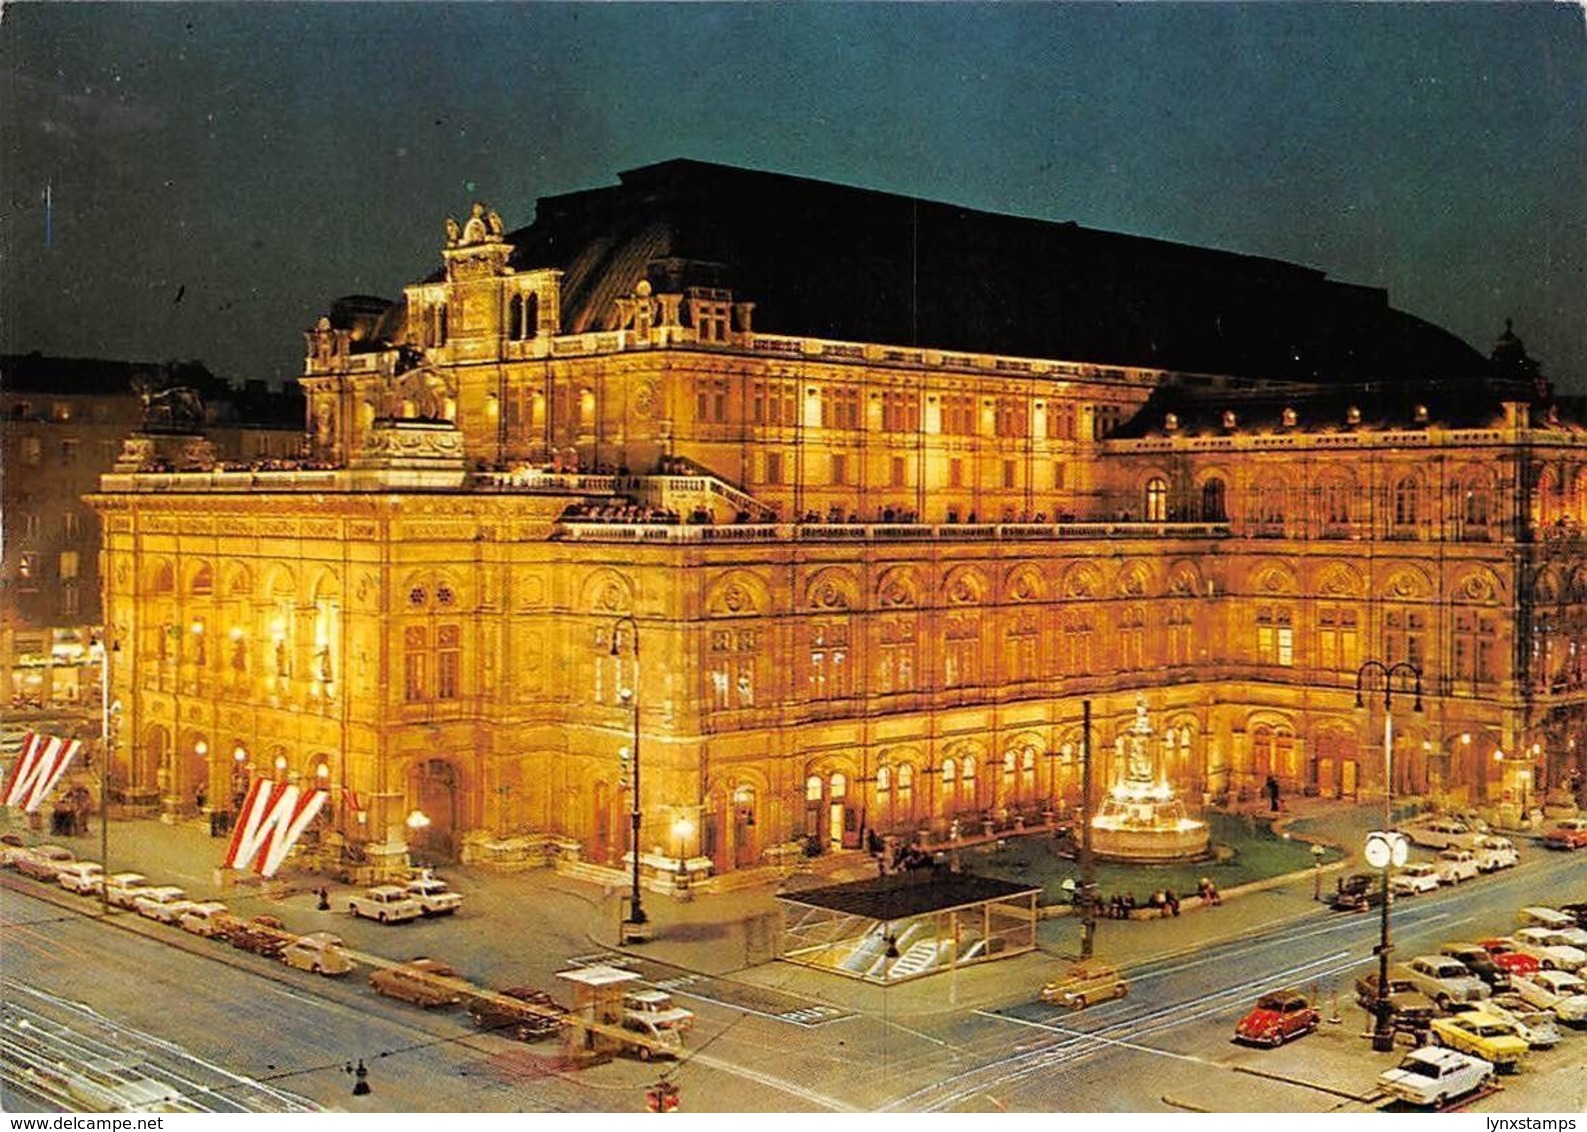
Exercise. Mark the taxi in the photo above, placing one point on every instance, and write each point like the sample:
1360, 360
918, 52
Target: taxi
1085, 983
1482, 1035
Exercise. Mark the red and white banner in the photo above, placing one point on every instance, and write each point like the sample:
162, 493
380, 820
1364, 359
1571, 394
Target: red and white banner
39, 767
274, 816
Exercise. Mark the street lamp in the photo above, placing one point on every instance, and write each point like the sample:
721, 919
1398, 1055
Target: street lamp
1384, 847
1317, 855
107, 710
630, 697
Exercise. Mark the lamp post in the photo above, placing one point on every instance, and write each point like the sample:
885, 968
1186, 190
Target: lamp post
1088, 865
1383, 847
106, 711
1317, 855
630, 696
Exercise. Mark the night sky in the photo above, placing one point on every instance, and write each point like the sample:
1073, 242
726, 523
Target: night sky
201, 181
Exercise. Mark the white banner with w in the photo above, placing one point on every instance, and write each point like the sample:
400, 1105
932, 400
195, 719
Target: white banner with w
274, 816
43, 760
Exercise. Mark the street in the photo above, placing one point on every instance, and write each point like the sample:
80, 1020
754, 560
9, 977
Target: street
213, 1021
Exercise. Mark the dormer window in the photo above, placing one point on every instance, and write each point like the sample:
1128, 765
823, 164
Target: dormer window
1353, 415
1421, 414
523, 316
1290, 417
1229, 419
1171, 422
711, 313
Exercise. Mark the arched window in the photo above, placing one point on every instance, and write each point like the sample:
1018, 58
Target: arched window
1407, 502
1213, 506
813, 788
884, 780
1156, 509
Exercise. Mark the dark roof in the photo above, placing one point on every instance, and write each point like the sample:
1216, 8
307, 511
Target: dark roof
839, 262
1199, 405
908, 894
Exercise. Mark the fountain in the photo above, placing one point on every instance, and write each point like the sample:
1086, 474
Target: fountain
1140, 819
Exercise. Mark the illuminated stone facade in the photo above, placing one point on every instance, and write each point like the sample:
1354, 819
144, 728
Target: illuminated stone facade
830, 585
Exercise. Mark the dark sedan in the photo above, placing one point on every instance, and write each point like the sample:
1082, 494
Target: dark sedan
523, 1013
1357, 893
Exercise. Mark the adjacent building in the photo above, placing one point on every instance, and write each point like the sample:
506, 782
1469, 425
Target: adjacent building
813, 511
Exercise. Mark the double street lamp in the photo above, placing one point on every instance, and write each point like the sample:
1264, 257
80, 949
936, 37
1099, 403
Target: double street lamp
632, 925
1386, 848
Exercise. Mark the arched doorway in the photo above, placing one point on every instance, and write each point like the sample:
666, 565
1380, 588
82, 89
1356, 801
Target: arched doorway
1333, 770
437, 802
829, 816
730, 829
607, 840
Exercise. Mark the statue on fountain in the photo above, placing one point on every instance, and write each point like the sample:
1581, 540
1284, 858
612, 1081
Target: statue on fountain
1141, 819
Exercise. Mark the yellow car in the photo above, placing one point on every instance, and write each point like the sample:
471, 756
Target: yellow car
1085, 983
1482, 1035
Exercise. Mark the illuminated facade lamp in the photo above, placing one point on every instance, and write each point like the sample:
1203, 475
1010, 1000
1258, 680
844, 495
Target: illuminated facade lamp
416, 821
683, 829
201, 749
281, 764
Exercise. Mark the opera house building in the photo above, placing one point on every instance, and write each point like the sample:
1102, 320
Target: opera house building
825, 512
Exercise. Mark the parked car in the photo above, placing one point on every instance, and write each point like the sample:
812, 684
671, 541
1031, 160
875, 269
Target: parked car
1409, 1008
1549, 948
1482, 1035
1567, 833
1539, 916
386, 903
517, 1012
1435, 1076
1277, 1017
1558, 991
1443, 979
207, 918
320, 952
85, 878
262, 935
1495, 853
1085, 983
121, 889
1538, 1027
1509, 957
1357, 892
1438, 832
1576, 911
433, 895
12, 847
1479, 963
422, 981
1456, 865
1561, 927
163, 902
1418, 876
43, 862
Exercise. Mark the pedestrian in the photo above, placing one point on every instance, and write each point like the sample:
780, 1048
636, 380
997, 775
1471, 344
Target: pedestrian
1272, 793
325, 899
1172, 900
